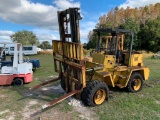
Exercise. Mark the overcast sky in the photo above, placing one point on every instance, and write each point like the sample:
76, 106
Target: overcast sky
40, 16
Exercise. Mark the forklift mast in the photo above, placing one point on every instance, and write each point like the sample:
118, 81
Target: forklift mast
69, 25
68, 56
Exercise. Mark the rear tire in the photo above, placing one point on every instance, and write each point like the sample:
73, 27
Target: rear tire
95, 93
135, 82
17, 82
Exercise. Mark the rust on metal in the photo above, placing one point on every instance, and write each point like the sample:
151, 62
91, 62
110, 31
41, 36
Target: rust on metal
45, 83
68, 55
104, 73
61, 98
68, 62
119, 85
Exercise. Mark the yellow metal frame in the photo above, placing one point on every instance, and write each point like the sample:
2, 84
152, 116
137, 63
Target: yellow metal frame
69, 61
111, 73
114, 74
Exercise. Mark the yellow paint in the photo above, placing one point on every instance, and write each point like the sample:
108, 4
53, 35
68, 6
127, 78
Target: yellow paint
138, 85
99, 96
107, 60
111, 73
136, 60
117, 74
144, 71
68, 53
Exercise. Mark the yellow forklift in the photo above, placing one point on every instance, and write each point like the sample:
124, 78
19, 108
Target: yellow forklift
89, 80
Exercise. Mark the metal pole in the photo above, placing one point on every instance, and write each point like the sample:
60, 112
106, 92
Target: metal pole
130, 49
98, 45
117, 32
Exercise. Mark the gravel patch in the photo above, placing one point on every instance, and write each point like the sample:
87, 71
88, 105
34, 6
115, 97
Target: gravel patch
57, 89
85, 112
3, 112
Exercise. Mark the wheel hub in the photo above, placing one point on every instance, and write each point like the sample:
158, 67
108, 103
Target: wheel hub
136, 84
100, 96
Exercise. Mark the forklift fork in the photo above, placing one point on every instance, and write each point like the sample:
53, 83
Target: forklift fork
58, 99
45, 83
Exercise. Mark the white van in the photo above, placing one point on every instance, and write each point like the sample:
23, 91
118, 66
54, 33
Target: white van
27, 50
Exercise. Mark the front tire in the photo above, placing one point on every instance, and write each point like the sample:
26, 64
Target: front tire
135, 83
17, 82
95, 93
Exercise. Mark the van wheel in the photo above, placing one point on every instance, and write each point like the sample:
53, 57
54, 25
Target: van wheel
95, 93
17, 82
135, 83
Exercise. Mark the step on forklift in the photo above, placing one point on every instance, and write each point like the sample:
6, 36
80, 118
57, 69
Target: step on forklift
89, 80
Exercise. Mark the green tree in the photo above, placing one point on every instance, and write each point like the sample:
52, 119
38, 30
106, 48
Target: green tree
143, 21
131, 24
92, 40
150, 35
25, 38
45, 45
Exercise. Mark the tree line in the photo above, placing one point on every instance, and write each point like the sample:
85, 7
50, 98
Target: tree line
144, 21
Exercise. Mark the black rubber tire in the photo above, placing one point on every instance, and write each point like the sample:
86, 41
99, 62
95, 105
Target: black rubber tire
131, 83
17, 82
62, 82
90, 90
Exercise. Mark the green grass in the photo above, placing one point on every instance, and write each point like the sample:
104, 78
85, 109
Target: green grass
122, 105
15, 98
144, 105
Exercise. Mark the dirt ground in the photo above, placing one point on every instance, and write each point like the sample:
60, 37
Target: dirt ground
33, 110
